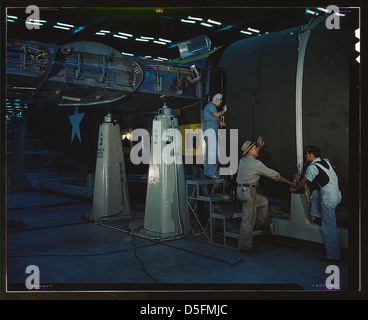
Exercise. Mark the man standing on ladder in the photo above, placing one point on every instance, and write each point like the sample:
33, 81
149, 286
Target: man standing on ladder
212, 121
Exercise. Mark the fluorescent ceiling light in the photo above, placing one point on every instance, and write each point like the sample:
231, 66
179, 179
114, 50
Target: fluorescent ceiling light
162, 58
119, 36
12, 17
311, 12
206, 24
195, 18
253, 30
36, 20
340, 14
246, 32
323, 9
34, 23
187, 21
128, 54
140, 39
148, 57
125, 34
10, 20
164, 40
159, 42
59, 27
100, 33
65, 25
214, 22
148, 38
105, 31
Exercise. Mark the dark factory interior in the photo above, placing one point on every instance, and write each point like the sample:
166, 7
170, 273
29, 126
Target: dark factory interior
86, 85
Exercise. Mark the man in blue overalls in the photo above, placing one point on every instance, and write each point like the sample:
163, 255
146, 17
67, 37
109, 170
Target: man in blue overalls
212, 121
325, 200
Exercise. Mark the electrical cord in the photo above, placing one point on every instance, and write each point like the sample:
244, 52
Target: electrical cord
130, 232
78, 255
139, 259
48, 227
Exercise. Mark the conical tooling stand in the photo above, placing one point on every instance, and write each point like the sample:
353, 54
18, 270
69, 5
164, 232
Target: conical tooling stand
166, 213
110, 195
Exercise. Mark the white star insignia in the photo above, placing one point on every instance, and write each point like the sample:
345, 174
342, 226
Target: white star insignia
75, 120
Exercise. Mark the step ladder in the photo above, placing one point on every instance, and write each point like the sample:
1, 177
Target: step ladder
200, 192
226, 216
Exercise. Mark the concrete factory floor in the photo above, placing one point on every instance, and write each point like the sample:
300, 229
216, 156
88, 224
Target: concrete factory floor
74, 254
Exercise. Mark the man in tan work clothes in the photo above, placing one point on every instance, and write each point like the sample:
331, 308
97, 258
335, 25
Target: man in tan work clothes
249, 172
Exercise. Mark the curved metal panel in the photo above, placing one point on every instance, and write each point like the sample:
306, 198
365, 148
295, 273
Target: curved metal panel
260, 92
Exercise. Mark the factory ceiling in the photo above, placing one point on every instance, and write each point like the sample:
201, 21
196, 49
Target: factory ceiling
150, 31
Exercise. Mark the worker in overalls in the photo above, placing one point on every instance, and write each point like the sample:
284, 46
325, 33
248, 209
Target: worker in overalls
325, 199
212, 121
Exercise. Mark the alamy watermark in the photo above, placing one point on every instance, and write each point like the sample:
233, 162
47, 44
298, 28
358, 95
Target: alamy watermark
333, 280
33, 280
166, 147
333, 21
33, 18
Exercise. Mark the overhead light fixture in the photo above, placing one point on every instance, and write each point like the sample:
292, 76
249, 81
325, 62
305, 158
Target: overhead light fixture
253, 30
100, 34
127, 54
147, 38
125, 34
206, 24
162, 58
105, 31
148, 57
214, 22
246, 32
34, 23
140, 39
187, 21
340, 14
311, 12
324, 10
119, 36
65, 25
10, 20
195, 18
164, 40
159, 42
12, 17
64, 28
36, 20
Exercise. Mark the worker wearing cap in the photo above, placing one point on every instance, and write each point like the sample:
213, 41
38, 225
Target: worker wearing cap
249, 171
212, 121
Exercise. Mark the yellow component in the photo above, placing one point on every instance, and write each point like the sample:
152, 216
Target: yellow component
192, 139
126, 135
57, 91
97, 97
